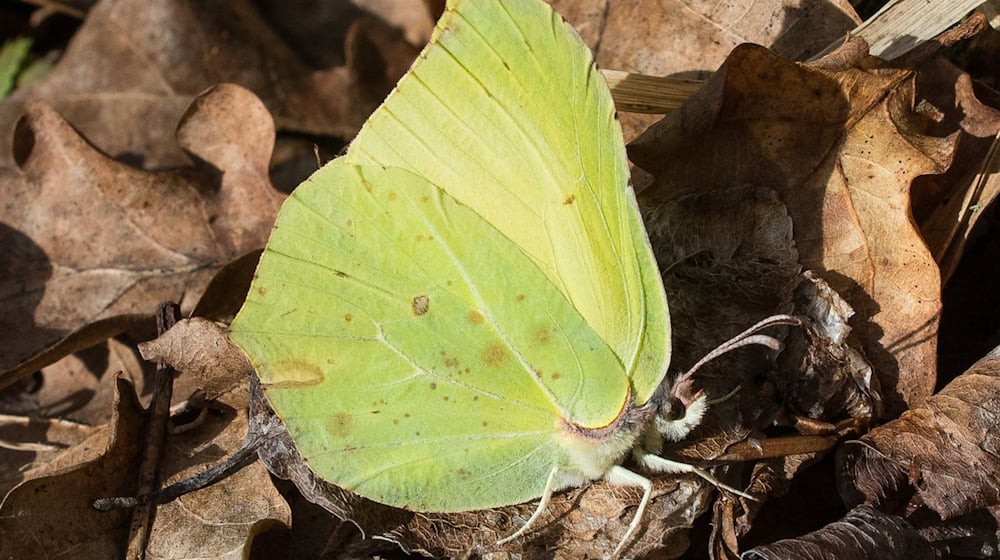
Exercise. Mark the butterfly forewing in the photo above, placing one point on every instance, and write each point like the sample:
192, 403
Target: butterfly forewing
506, 111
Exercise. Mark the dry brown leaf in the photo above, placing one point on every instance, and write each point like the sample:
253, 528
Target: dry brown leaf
948, 206
90, 241
942, 456
863, 533
51, 512
819, 375
728, 260
219, 521
54, 433
822, 375
80, 387
841, 149
202, 350
224, 295
691, 39
318, 29
135, 65
51, 515
414, 18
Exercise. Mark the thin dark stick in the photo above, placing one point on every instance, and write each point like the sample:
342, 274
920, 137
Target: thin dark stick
156, 429
246, 454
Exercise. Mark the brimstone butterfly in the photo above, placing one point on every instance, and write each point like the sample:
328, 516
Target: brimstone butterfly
464, 312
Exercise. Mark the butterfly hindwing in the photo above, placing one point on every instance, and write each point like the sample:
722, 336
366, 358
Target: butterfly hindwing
416, 354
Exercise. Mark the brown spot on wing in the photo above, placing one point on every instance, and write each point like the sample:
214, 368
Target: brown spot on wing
475, 317
420, 305
494, 355
543, 336
348, 317
341, 424
262, 290
520, 297
570, 199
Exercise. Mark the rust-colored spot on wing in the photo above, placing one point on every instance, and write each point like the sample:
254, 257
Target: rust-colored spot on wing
543, 336
494, 355
261, 290
570, 199
420, 305
475, 317
348, 317
341, 424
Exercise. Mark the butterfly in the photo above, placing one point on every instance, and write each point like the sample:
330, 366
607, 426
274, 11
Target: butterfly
463, 311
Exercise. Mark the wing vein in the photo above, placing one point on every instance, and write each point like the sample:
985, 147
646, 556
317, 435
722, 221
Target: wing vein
486, 309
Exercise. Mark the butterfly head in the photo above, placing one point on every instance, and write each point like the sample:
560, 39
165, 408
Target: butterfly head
680, 410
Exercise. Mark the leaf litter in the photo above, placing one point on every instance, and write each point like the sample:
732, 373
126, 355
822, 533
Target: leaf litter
839, 192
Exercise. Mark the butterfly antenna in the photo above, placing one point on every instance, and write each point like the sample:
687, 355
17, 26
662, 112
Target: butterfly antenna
746, 338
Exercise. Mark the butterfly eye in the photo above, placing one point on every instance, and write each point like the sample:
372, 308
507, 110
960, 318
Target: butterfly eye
672, 409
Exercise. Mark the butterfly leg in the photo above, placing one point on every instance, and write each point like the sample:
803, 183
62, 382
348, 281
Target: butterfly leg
620, 476
542, 504
658, 464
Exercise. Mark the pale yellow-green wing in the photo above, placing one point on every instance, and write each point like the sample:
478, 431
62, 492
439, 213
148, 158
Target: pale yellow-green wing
505, 111
417, 356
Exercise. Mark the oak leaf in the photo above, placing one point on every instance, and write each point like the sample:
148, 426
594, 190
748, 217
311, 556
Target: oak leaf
88, 244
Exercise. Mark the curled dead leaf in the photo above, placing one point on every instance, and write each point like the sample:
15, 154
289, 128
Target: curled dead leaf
822, 375
79, 387
863, 533
88, 242
51, 512
51, 515
841, 150
17, 433
942, 456
684, 40
135, 65
200, 348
